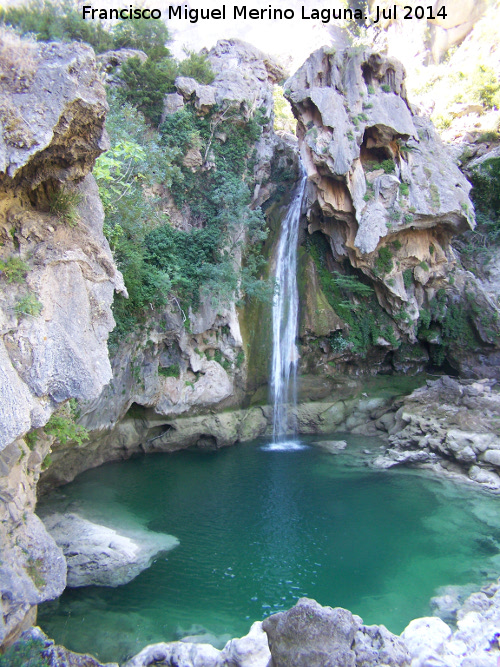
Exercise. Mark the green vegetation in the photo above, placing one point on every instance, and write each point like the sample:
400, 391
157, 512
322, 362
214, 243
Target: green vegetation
63, 204
62, 426
476, 246
386, 88
404, 189
384, 263
408, 278
283, 116
31, 439
371, 90
196, 66
159, 262
14, 269
240, 358
28, 653
354, 302
28, 305
389, 166
172, 371
147, 83
57, 21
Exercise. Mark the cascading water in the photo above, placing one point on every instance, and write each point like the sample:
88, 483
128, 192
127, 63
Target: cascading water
285, 323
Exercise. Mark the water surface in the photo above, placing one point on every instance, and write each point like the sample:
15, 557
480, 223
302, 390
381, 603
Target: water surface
259, 528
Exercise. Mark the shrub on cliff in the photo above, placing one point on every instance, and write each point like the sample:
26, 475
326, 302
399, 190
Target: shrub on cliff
57, 21
196, 66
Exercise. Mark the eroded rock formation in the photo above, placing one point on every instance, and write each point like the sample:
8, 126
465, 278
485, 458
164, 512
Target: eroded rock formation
458, 437
388, 198
57, 281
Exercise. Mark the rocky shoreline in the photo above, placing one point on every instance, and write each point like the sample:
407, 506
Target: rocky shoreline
316, 636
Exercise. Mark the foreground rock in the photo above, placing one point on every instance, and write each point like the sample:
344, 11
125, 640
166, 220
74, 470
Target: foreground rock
249, 651
42, 651
449, 425
316, 636
100, 556
309, 635
475, 642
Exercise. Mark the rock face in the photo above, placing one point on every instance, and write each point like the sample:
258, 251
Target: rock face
387, 198
100, 556
55, 311
186, 361
459, 436
316, 636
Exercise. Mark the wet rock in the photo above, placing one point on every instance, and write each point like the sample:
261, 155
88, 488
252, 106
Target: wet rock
100, 556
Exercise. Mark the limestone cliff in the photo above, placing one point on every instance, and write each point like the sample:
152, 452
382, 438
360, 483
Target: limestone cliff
187, 360
57, 279
387, 198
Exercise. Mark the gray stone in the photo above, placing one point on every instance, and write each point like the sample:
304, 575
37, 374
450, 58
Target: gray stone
312, 635
178, 654
100, 556
492, 456
252, 650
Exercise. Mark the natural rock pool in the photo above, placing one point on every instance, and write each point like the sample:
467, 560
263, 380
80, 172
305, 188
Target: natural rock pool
258, 529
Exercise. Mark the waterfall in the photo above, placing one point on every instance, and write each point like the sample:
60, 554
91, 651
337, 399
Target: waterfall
285, 322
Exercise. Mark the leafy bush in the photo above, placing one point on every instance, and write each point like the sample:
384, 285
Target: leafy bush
63, 428
389, 166
196, 66
14, 269
150, 36
404, 188
407, 278
57, 21
31, 439
28, 305
147, 83
386, 88
384, 263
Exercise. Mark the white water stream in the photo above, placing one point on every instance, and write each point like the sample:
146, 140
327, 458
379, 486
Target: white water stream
285, 325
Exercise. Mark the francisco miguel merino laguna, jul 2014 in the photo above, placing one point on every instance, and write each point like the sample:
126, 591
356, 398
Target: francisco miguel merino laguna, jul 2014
325, 15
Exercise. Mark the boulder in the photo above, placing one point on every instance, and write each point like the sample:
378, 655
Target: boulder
100, 556
312, 635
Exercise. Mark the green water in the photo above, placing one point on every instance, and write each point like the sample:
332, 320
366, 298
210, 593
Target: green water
258, 529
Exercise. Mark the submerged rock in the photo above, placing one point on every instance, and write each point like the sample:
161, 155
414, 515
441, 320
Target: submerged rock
100, 556
332, 446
